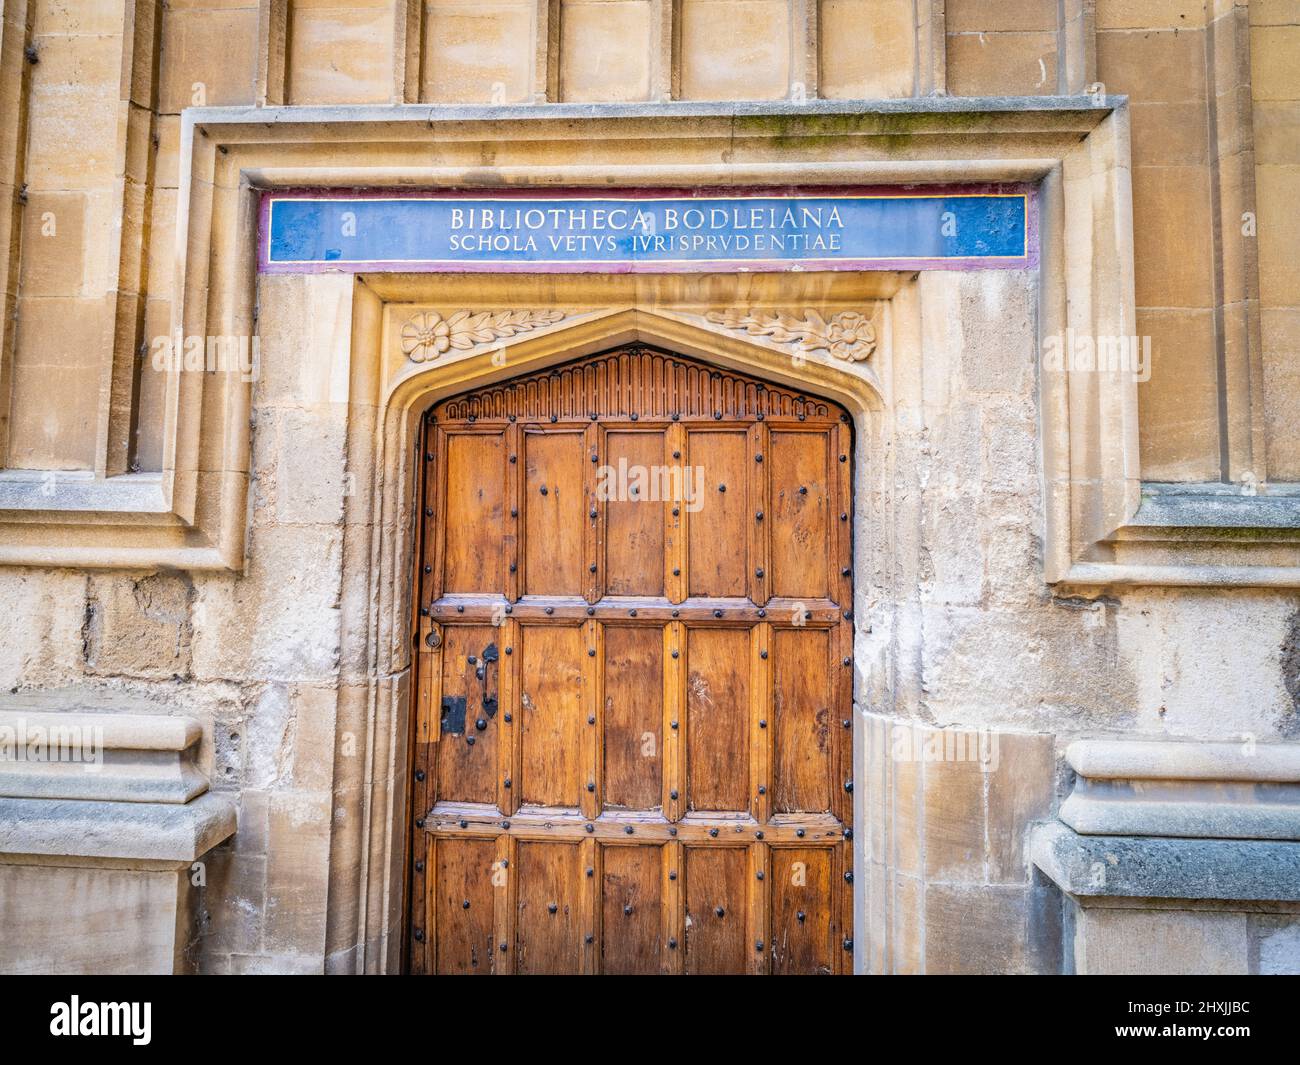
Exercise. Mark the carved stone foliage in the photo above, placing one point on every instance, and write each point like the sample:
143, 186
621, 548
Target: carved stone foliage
847, 335
429, 334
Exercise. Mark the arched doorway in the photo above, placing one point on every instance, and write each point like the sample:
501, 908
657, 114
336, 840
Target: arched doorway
632, 730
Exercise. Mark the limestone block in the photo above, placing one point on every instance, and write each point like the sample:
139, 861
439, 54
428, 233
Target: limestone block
992, 64
1156, 868
1168, 134
867, 48
1021, 790
282, 623
131, 919
139, 627
1179, 423
107, 756
1172, 265
53, 244
989, 16
1110, 941
1149, 14
73, 114
735, 49
40, 627
1191, 686
133, 831
981, 929
1274, 56
1167, 66
128, 870
605, 50
340, 51
1203, 790
954, 826
1279, 229
298, 873
1281, 331
477, 52
1275, 944
208, 56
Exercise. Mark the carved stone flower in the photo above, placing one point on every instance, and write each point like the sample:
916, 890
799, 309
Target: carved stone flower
428, 334
851, 336
425, 336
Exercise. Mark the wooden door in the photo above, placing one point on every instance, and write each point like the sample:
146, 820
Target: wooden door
632, 734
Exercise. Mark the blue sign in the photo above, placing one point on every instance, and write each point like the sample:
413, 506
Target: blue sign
646, 232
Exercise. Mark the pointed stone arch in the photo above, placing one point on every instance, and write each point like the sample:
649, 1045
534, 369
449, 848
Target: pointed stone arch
366, 899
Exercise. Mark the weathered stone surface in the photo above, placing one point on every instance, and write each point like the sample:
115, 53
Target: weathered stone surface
128, 920
121, 757
127, 830
975, 465
1135, 867
1118, 942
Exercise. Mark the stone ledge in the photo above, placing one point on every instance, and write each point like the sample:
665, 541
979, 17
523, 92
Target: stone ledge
132, 830
106, 756
1187, 760
1184, 789
1102, 811
1217, 506
1135, 867
141, 732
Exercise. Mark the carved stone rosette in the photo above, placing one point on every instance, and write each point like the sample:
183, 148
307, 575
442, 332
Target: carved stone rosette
428, 334
847, 335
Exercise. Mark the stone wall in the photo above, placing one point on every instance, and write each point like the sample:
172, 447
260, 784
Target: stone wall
956, 632
285, 661
1215, 161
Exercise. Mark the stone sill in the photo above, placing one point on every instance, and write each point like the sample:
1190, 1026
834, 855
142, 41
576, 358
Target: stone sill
82, 490
118, 830
1217, 506
1094, 867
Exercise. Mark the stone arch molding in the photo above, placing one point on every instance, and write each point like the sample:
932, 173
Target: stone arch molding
855, 383
378, 563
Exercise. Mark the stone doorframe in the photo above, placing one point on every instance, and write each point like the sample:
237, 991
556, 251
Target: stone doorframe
348, 332
382, 440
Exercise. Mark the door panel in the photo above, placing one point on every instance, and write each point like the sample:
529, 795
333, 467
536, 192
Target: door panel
553, 513
632, 699
716, 906
548, 933
717, 719
801, 712
718, 563
467, 753
551, 715
634, 525
474, 559
464, 905
801, 492
631, 909
801, 910
633, 718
